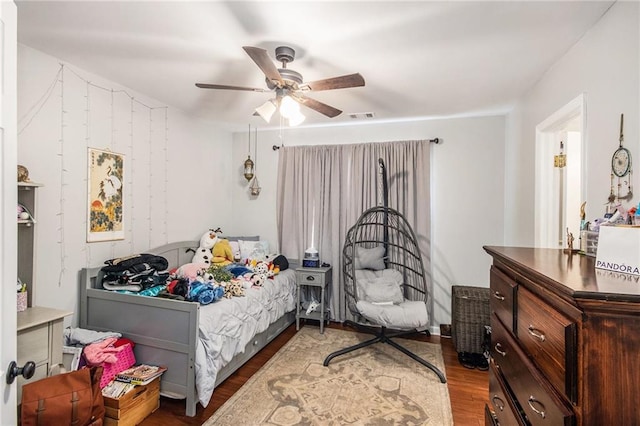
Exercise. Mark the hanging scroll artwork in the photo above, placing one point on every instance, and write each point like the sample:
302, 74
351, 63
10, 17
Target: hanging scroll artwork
105, 178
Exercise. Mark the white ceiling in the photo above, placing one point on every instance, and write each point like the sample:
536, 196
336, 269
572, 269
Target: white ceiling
419, 59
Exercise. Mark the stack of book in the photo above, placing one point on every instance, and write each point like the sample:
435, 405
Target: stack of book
142, 374
126, 380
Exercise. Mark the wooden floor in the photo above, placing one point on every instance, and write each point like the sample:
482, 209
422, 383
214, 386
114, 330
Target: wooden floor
468, 389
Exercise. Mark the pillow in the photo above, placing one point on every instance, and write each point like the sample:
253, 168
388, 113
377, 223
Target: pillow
408, 315
380, 287
253, 249
370, 258
235, 249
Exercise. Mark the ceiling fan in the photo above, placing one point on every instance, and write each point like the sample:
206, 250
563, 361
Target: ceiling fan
289, 86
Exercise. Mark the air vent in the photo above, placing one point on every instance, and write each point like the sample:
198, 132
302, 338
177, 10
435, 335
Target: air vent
362, 115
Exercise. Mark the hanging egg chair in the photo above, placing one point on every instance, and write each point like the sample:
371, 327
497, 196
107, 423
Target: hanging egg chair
385, 283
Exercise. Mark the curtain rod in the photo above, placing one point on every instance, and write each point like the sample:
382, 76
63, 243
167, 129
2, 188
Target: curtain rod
434, 140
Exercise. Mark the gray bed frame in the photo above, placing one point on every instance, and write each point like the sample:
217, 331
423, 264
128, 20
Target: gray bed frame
164, 330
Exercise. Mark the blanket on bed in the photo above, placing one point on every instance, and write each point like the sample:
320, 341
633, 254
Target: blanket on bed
228, 325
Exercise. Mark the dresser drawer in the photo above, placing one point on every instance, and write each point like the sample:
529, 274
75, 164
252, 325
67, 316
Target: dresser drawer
32, 344
550, 340
502, 351
503, 407
532, 392
501, 300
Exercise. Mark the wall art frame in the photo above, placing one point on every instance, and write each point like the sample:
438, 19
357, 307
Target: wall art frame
106, 187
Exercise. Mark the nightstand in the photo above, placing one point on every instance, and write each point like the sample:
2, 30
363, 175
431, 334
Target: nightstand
318, 278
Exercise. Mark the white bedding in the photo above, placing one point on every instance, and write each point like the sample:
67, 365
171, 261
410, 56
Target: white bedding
227, 325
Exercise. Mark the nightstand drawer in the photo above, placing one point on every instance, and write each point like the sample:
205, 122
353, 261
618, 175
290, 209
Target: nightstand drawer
311, 278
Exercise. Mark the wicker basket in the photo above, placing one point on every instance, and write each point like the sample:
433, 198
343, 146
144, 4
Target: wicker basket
470, 314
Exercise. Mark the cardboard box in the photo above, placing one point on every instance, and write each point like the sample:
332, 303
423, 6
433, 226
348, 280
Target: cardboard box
134, 406
619, 249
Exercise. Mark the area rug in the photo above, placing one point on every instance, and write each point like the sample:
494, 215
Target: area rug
376, 385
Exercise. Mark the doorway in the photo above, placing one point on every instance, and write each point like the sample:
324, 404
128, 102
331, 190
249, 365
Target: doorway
560, 191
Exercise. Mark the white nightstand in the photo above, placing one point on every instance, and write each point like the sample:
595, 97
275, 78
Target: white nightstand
313, 277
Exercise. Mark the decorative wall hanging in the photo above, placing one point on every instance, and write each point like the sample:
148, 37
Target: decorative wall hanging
105, 187
621, 169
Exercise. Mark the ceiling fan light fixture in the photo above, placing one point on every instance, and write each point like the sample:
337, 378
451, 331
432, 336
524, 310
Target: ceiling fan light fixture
266, 110
297, 119
289, 108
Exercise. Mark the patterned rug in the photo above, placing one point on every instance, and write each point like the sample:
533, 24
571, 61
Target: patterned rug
376, 385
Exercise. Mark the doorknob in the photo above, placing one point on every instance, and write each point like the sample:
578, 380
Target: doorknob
14, 371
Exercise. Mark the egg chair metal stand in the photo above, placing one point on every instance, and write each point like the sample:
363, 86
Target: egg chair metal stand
387, 231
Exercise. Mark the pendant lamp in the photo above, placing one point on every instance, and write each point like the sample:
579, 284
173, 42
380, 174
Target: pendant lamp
255, 185
248, 163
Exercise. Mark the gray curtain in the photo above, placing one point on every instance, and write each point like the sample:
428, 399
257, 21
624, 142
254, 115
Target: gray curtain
323, 190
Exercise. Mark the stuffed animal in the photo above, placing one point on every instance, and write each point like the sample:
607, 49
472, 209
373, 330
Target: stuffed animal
222, 253
233, 288
258, 279
192, 271
205, 293
207, 242
208, 277
279, 261
261, 268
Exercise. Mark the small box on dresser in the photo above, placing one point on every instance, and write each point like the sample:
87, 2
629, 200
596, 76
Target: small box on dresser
134, 406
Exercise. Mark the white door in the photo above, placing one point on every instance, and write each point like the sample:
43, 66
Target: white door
8, 190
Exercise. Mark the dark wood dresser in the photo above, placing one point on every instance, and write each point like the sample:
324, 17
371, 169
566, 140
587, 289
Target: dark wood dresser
565, 342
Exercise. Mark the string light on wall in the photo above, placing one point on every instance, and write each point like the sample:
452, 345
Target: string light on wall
248, 163
255, 185
109, 116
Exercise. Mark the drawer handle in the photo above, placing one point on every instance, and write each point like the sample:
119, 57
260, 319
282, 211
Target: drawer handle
540, 412
311, 278
498, 402
536, 333
497, 295
498, 348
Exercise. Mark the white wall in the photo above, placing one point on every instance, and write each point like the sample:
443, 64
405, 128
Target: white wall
177, 170
605, 65
467, 189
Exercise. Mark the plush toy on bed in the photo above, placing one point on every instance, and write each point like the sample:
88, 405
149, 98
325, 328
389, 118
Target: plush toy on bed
205, 293
192, 271
261, 268
207, 242
279, 262
257, 279
233, 288
222, 253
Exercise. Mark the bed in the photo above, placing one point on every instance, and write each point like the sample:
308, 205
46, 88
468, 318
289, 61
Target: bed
200, 345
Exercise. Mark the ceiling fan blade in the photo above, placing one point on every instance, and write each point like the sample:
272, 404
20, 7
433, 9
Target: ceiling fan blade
322, 108
261, 58
225, 87
342, 82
